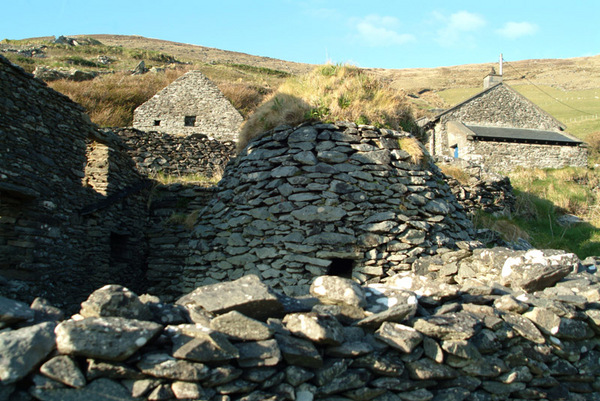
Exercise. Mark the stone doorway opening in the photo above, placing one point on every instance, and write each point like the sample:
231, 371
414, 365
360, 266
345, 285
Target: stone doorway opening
341, 267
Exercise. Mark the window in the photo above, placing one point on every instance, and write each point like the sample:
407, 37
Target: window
190, 121
156, 123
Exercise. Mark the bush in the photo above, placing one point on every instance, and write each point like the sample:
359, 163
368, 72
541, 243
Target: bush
329, 93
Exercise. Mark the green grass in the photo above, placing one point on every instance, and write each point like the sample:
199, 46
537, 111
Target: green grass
545, 195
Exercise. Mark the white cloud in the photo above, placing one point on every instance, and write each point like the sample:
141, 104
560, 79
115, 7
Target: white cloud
379, 31
515, 30
458, 27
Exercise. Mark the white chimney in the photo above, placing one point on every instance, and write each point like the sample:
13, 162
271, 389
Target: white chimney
493, 78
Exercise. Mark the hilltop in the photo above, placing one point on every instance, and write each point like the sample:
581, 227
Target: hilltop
247, 79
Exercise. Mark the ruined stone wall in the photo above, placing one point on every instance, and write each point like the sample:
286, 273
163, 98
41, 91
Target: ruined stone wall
175, 155
457, 330
60, 230
498, 107
479, 189
503, 156
191, 104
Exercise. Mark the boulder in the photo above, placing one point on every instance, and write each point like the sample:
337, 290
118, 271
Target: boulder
247, 295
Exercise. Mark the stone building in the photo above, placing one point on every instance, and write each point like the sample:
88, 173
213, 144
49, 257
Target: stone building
191, 104
320, 199
72, 207
501, 129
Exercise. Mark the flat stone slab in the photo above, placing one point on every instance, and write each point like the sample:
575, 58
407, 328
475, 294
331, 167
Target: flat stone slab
12, 311
166, 367
240, 327
247, 295
94, 337
98, 390
449, 326
299, 352
321, 329
23, 349
398, 336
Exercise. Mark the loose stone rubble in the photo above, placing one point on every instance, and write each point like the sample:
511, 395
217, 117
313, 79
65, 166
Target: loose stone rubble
413, 337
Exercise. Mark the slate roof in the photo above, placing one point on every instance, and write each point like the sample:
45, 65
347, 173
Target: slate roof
459, 105
522, 135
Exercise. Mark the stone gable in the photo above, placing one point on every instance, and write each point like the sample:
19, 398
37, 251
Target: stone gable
191, 104
501, 106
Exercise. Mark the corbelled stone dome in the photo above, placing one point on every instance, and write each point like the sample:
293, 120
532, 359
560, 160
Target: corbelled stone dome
336, 199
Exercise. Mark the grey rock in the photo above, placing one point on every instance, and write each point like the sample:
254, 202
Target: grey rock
200, 345
115, 300
166, 367
111, 370
331, 156
524, 327
94, 337
304, 134
45, 312
350, 350
247, 295
403, 338
187, 390
12, 311
240, 327
319, 213
338, 290
296, 375
352, 379
321, 329
451, 326
537, 269
426, 369
98, 390
221, 375
284, 171
306, 158
63, 369
299, 352
23, 349
259, 353
396, 313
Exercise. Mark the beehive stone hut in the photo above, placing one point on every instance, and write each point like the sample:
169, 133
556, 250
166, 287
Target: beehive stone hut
502, 129
192, 104
72, 208
322, 199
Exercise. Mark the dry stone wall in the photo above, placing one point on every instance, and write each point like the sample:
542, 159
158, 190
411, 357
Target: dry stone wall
71, 206
480, 189
502, 156
475, 334
175, 155
299, 202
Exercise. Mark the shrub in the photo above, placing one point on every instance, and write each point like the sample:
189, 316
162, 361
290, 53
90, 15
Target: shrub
329, 93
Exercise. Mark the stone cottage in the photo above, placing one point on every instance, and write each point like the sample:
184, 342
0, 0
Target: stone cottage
72, 207
501, 129
321, 199
191, 104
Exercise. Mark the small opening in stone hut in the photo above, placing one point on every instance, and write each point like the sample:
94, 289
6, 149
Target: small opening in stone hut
156, 123
119, 249
340, 267
190, 121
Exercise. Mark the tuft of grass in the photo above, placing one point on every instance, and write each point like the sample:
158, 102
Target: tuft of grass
187, 220
415, 149
245, 97
329, 93
167, 179
259, 70
459, 174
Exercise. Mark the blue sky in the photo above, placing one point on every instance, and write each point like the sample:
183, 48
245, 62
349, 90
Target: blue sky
366, 33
